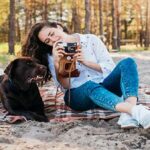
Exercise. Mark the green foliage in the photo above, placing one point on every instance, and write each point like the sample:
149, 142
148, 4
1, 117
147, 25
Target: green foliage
4, 48
4, 10
5, 58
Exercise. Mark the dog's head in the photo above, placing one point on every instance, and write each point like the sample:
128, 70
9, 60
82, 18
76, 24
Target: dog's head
25, 70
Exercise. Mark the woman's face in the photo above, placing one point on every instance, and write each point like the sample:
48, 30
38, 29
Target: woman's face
50, 35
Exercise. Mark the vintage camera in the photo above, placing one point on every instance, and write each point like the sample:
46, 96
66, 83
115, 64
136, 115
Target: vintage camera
67, 64
69, 47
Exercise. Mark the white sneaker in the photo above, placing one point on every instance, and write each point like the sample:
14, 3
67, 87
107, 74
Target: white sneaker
126, 121
142, 115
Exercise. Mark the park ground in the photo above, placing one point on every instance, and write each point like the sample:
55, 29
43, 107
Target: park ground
80, 135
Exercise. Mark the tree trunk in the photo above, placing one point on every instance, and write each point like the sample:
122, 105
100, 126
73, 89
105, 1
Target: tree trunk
75, 17
18, 38
95, 24
114, 26
11, 38
26, 20
142, 28
108, 39
45, 10
87, 16
125, 29
118, 9
61, 11
100, 18
147, 32
30, 19
34, 11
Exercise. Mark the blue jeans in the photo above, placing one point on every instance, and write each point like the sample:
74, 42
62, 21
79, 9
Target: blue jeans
118, 86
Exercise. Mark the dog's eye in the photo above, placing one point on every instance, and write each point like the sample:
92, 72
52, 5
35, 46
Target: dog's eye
29, 63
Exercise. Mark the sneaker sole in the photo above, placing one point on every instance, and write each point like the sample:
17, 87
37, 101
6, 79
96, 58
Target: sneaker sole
129, 127
147, 127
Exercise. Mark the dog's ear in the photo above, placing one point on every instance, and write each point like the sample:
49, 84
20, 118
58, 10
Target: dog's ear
9, 68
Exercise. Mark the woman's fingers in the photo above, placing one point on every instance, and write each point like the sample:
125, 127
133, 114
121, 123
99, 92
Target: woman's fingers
60, 55
79, 50
79, 57
78, 54
62, 52
57, 47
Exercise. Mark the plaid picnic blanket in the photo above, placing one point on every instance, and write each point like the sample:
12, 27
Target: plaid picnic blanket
56, 110
60, 112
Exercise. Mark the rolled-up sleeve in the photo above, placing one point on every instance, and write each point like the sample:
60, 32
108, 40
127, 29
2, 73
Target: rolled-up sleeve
103, 57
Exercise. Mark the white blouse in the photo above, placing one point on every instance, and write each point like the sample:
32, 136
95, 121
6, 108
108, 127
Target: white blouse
95, 51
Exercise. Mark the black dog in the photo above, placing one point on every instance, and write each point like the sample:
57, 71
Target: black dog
19, 92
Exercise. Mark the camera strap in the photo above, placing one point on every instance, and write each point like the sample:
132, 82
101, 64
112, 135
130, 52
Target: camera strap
57, 90
73, 61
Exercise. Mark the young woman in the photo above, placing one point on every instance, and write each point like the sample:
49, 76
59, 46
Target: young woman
100, 83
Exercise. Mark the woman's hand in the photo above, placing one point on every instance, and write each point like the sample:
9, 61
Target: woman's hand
58, 52
79, 56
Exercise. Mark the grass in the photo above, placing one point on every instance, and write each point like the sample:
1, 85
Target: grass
4, 48
131, 48
5, 57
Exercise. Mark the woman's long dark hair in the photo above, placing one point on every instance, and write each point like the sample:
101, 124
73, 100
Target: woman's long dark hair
33, 47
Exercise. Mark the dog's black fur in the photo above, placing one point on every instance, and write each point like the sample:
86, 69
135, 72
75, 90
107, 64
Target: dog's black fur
19, 92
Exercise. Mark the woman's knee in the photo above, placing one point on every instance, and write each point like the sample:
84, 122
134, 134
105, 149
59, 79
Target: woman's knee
128, 62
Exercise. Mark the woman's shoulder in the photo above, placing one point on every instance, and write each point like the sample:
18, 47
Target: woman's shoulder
89, 37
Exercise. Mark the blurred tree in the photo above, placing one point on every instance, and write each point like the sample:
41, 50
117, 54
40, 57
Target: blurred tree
76, 20
4, 10
45, 13
95, 16
118, 13
27, 14
61, 11
87, 16
107, 23
101, 18
11, 35
147, 30
114, 25
18, 16
18, 32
